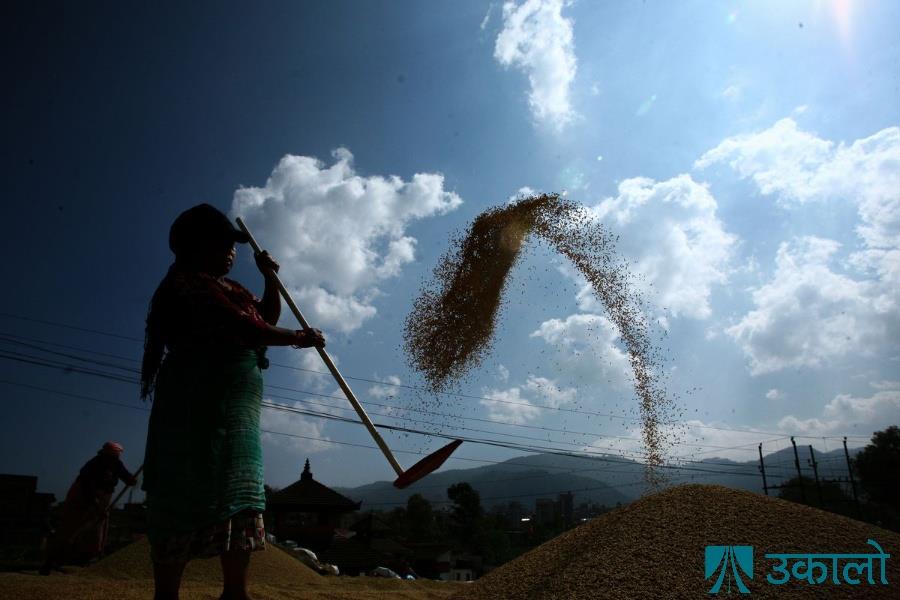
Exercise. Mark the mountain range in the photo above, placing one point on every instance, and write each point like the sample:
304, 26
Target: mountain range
601, 480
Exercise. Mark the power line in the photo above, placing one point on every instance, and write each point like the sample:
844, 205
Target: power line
70, 368
567, 431
40, 361
524, 447
300, 436
15, 337
75, 327
343, 443
494, 421
420, 389
540, 406
5, 338
29, 359
488, 442
467, 396
529, 404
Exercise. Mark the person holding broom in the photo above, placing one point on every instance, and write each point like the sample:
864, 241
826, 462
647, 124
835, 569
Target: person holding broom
204, 352
85, 521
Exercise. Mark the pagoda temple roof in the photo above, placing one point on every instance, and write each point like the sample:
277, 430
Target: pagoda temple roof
308, 495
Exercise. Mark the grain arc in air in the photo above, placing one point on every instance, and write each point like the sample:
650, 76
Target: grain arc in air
451, 327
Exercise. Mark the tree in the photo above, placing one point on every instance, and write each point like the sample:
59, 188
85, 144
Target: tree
420, 517
878, 465
834, 498
466, 511
495, 545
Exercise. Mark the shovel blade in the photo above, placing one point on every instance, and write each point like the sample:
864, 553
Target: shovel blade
425, 466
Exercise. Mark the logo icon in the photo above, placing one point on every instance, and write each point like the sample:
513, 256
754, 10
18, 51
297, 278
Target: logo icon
728, 562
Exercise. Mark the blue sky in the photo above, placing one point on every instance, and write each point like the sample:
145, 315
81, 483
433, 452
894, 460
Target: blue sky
747, 153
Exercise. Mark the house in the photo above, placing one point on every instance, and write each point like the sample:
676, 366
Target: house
24, 512
459, 574
548, 511
432, 560
465, 567
356, 557
308, 512
369, 544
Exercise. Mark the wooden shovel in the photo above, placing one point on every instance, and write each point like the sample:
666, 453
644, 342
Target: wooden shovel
404, 478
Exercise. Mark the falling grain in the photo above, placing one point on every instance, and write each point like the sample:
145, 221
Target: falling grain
451, 327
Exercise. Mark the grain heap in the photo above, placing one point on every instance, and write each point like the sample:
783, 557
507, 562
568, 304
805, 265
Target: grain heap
654, 548
274, 575
451, 326
272, 564
22, 586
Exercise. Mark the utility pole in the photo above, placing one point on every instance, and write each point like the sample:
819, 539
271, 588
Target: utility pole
852, 480
799, 474
815, 468
762, 469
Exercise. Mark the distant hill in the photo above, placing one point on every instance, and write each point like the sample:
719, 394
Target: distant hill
497, 484
599, 480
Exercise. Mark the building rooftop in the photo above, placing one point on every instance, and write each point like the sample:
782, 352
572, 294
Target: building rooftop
307, 494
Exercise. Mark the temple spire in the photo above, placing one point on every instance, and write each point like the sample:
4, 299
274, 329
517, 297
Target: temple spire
307, 474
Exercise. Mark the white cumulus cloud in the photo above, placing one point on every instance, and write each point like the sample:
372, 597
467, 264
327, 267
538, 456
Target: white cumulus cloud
811, 311
337, 234
509, 406
387, 389
798, 166
487, 17
669, 229
549, 391
517, 405
808, 313
848, 413
732, 92
305, 434
539, 40
586, 347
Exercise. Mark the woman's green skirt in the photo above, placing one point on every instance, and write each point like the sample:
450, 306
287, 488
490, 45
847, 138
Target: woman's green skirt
203, 462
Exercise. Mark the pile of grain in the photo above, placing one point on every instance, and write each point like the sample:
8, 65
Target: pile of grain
654, 548
272, 564
274, 575
21, 586
451, 326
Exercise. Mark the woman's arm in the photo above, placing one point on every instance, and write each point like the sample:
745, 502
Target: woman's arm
269, 335
270, 306
125, 475
206, 302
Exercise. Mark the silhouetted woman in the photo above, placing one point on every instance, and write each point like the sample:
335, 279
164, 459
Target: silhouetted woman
203, 356
85, 523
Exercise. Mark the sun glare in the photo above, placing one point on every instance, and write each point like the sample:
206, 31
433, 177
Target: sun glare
842, 12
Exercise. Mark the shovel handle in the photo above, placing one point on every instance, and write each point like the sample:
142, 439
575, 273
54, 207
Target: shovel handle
328, 362
125, 489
